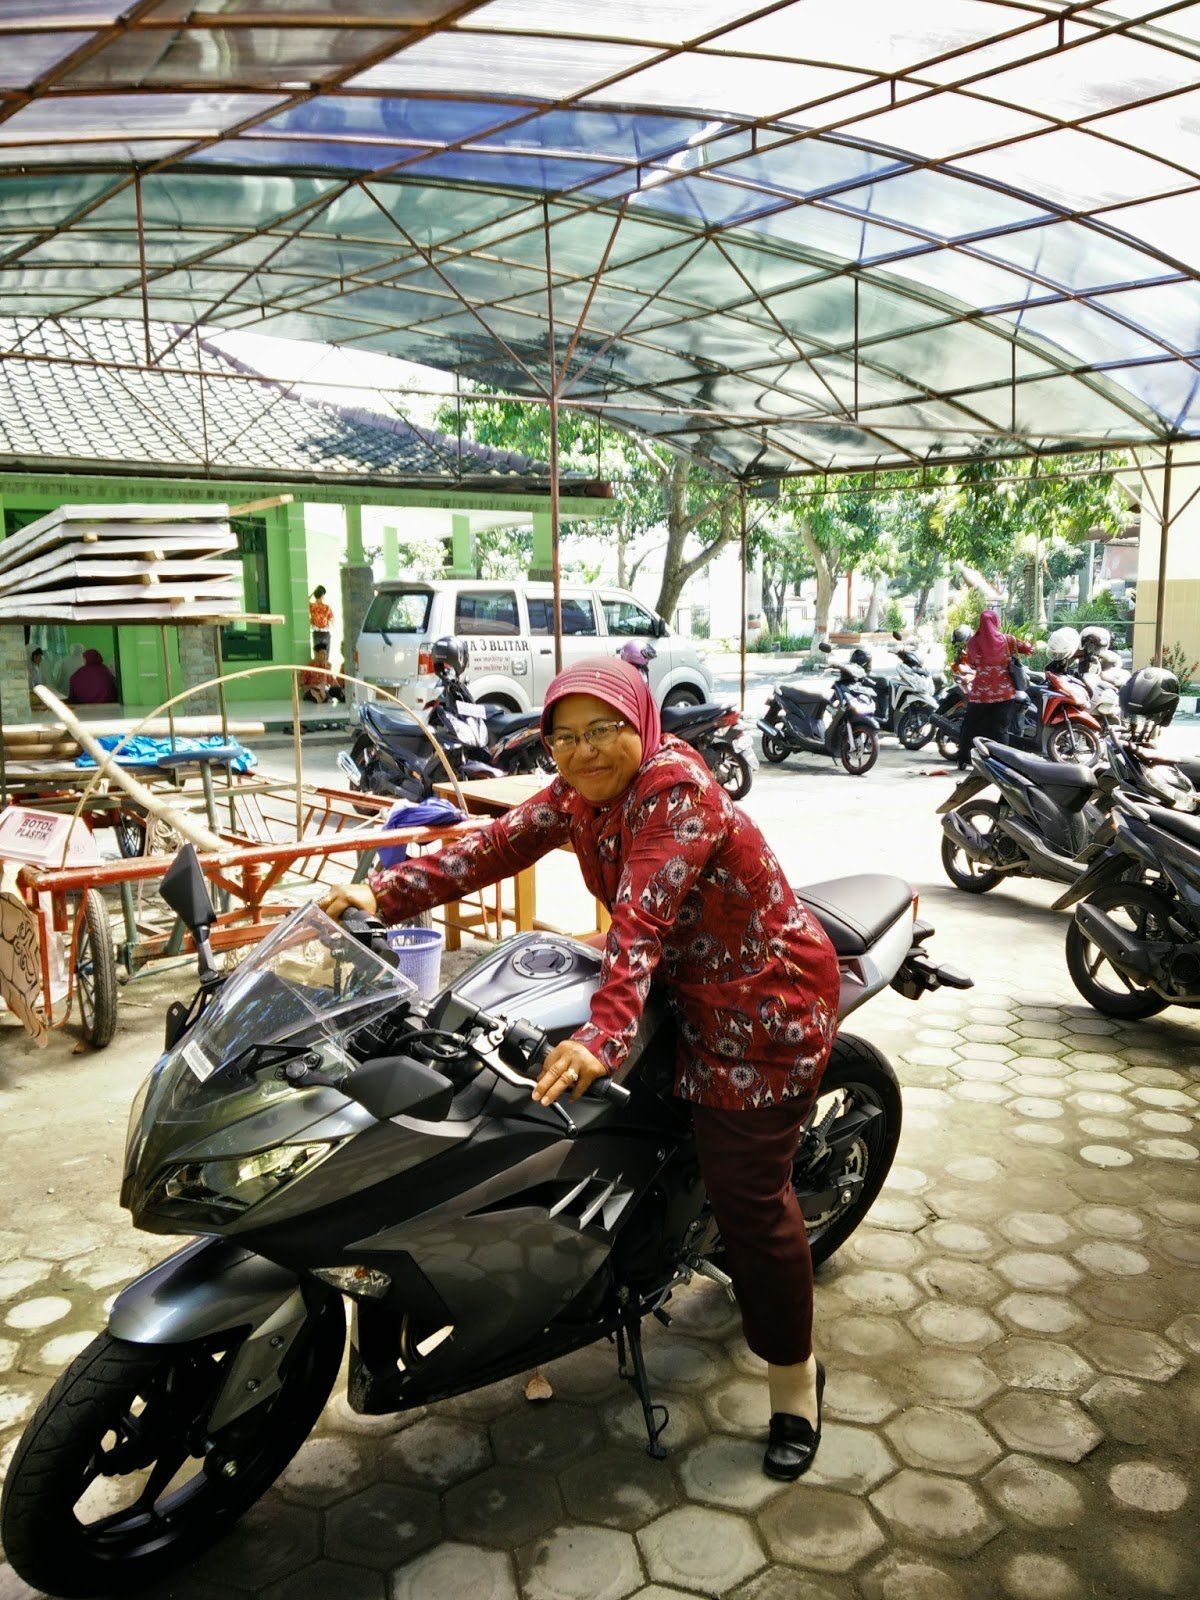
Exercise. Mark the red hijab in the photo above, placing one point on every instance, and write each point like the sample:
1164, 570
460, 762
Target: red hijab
620, 686
987, 646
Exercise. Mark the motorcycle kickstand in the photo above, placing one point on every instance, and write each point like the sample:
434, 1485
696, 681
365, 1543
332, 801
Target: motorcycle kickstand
634, 1373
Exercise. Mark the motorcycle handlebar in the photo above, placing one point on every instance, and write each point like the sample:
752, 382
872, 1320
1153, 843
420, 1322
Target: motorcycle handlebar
527, 1047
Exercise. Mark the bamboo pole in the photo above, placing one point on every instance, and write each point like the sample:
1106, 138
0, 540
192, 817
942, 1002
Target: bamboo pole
1160, 599
296, 756
742, 651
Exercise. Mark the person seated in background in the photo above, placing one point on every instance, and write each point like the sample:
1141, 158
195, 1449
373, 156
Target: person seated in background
93, 684
35, 666
318, 682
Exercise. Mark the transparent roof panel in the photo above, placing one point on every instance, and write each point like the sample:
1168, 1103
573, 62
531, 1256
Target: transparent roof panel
782, 235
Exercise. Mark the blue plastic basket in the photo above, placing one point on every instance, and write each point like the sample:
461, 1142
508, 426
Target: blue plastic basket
419, 952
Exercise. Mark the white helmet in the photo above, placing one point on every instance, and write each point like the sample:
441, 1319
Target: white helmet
1062, 644
1095, 637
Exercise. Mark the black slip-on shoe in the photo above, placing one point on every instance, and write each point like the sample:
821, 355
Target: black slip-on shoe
793, 1440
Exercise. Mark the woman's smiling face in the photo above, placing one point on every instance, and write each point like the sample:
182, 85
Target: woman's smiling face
599, 775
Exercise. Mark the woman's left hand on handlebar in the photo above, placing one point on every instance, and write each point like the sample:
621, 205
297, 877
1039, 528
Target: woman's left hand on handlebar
357, 895
569, 1066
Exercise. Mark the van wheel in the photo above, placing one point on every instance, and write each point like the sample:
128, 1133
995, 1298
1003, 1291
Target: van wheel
682, 697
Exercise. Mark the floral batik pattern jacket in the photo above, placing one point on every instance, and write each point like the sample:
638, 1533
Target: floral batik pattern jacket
696, 897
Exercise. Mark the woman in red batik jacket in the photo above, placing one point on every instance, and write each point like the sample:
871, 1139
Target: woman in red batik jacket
697, 899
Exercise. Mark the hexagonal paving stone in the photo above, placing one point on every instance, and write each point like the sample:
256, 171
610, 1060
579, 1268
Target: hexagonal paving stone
436, 1452
727, 1471
742, 1406
1040, 1364
859, 1397
682, 1364
1137, 1414
855, 1459
1038, 1228
704, 1310
544, 1435
892, 1251
962, 1239
577, 1563
1185, 1331
902, 1575
964, 1326
935, 1510
1147, 1486
328, 1580
884, 1291
1035, 1493
1151, 1562
624, 1423
820, 1529
696, 1547
461, 1570
1107, 1256
1038, 1269
942, 1440
974, 1169
959, 1282
1043, 1425
1131, 1353
865, 1338
325, 1470
1033, 1575
382, 1526
1110, 1222
620, 1487
954, 1379
503, 1507
272, 1540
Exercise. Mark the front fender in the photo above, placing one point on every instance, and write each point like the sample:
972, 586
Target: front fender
212, 1286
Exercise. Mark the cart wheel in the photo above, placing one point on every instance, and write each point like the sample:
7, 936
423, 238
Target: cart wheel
96, 971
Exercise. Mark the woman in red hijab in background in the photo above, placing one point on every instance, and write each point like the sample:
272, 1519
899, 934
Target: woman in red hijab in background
991, 692
93, 684
698, 899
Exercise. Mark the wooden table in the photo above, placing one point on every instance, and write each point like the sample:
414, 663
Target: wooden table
492, 797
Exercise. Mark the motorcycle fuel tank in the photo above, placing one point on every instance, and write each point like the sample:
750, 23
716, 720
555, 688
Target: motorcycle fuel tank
543, 978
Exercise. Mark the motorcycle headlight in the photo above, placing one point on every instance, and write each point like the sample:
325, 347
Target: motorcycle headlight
224, 1189
133, 1129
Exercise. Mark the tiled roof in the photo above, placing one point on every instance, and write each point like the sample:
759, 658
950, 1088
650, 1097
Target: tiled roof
69, 417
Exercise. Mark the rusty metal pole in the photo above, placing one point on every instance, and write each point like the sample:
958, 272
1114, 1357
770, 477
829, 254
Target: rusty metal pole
742, 509
1160, 597
555, 571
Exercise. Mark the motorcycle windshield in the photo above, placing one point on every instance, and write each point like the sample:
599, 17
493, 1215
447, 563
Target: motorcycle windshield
308, 982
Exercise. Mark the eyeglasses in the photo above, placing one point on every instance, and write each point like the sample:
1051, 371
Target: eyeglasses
600, 735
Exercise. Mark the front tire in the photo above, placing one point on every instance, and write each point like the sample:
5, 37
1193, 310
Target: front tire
862, 1078
1098, 981
1071, 741
774, 749
734, 775
857, 749
95, 971
915, 728
136, 1413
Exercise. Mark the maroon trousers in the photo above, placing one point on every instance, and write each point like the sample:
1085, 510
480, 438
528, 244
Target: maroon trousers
746, 1162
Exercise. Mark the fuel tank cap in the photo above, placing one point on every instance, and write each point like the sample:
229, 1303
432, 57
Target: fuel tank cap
543, 960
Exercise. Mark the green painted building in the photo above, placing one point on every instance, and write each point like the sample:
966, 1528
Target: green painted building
105, 434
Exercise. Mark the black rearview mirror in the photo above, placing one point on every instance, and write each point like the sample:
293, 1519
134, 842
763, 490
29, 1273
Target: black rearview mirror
825, 647
185, 891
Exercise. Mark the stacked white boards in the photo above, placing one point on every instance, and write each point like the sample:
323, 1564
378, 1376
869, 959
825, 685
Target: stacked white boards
122, 563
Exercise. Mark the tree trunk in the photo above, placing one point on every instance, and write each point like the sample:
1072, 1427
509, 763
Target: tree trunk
827, 577
774, 591
677, 569
879, 590
922, 605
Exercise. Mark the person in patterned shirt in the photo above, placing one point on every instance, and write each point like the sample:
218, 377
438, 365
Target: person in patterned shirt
698, 901
991, 690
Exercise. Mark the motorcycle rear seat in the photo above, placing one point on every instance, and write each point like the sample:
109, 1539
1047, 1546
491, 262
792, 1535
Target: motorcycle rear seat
1046, 774
855, 911
804, 697
1180, 824
674, 717
385, 720
502, 723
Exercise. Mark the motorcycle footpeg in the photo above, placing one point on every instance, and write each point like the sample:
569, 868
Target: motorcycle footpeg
705, 1269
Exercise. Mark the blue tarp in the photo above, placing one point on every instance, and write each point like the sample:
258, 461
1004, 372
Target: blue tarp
143, 751
415, 814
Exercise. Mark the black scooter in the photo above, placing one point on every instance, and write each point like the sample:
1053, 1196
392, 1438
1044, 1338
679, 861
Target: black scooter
716, 733
835, 720
331, 1137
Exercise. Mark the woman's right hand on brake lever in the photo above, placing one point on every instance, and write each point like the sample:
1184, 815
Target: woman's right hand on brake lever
358, 896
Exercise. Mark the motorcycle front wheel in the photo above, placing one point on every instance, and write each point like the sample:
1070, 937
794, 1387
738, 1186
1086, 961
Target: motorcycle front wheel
915, 728
964, 872
734, 775
1069, 741
774, 749
1140, 912
857, 749
116, 1481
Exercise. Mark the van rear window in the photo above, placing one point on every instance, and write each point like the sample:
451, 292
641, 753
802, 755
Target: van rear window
398, 611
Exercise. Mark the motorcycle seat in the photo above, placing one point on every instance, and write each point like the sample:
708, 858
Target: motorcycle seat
387, 722
1046, 774
855, 911
676, 717
804, 697
1181, 825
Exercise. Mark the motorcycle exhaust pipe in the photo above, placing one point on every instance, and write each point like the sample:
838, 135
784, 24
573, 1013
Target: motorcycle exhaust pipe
349, 767
1121, 947
766, 727
966, 836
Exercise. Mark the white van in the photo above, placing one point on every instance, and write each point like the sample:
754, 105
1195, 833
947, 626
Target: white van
508, 629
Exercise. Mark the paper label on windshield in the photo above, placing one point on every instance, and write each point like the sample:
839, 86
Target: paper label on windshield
198, 1063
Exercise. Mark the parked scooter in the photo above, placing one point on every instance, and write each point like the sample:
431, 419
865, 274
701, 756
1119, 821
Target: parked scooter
904, 704
835, 720
329, 1135
392, 754
715, 732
